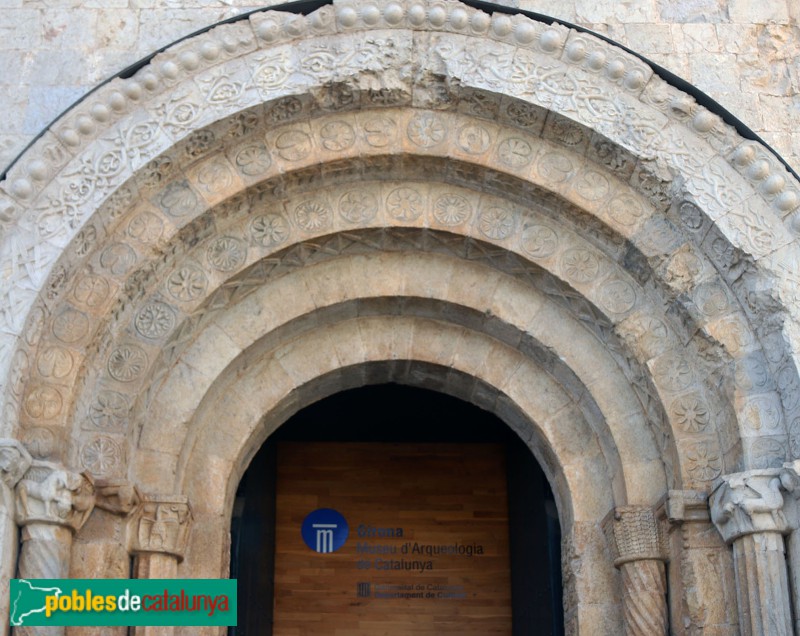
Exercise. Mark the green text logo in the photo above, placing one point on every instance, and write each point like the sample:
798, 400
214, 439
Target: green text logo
101, 602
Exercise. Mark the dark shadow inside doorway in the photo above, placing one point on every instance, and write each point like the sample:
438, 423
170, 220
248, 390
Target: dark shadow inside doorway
397, 413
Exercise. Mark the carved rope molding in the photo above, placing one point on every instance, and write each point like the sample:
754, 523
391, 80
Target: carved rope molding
575, 52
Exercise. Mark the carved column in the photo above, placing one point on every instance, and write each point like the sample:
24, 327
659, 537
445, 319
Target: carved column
159, 532
637, 544
747, 509
700, 572
14, 461
790, 481
52, 503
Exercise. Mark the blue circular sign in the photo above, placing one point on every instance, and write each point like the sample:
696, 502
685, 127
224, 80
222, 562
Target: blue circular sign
325, 530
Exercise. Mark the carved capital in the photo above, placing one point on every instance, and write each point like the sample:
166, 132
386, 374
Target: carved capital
161, 524
634, 534
117, 496
790, 478
685, 506
14, 461
48, 493
747, 503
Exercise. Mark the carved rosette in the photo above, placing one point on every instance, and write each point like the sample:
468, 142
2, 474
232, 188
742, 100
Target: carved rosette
161, 524
49, 494
748, 503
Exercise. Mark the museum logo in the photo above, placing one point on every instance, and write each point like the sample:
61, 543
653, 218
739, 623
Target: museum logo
325, 530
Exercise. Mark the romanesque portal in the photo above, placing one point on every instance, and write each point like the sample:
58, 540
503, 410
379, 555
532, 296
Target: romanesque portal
512, 212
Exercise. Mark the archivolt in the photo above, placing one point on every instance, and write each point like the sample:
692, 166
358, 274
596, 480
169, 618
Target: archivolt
661, 231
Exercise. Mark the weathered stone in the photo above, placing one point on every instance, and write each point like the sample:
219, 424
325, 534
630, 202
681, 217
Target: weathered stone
161, 525
513, 212
747, 508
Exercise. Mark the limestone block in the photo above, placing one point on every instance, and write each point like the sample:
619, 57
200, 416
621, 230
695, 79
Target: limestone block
650, 38
713, 72
592, 500
209, 537
778, 112
16, 34
462, 283
698, 38
759, 13
567, 429
611, 12
217, 352
153, 470
692, 11
707, 573
471, 353
598, 586
117, 29
101, 559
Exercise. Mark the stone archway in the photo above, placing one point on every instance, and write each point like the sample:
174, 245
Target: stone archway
279, 205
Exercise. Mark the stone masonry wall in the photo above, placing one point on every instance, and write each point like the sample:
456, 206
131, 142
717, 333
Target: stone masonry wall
743, 53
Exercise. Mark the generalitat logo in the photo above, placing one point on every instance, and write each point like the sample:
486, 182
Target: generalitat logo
325, 530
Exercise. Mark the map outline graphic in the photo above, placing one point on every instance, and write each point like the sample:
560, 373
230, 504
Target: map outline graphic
17, 621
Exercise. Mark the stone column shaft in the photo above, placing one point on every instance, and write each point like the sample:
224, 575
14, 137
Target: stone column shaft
747, 509
644, 584
159, 533
51, 505
14, 461
154, 565
793, 558
762, 585
637, 543
790, 481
